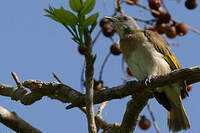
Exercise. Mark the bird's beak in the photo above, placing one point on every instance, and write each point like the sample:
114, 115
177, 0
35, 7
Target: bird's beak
112, 19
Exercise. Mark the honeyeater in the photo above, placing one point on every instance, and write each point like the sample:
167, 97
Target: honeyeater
147, 55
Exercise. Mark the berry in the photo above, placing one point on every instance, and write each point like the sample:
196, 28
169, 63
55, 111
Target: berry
164, 17
115, 49
144, 123
155, 4
171, 32
104, 21
98, 85
128, 71
181, 29
183, 94
189, 88
107, 30
81, 50
191, 4
161, 28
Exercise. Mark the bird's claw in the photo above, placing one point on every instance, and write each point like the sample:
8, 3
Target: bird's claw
148, 79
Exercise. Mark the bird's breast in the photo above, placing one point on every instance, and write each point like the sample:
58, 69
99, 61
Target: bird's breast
143, 60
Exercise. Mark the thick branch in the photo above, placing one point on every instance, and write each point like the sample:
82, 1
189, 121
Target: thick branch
133, 109
66, 94
192, 75
39, 89
14, 122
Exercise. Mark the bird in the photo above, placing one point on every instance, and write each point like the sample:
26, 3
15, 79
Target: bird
148, 55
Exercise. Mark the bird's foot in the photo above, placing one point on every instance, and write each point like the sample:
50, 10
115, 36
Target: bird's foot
148, 79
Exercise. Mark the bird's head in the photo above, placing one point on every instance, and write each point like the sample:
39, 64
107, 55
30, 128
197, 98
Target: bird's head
124, 25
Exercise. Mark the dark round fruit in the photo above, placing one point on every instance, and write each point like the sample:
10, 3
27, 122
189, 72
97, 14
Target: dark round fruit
171, 32
161, 28
191, 4
81, 50
128, 71
144, 123
181, 29
164, 17
98, 85
108, 30
115, 49
189, 88
104, 21
155, 4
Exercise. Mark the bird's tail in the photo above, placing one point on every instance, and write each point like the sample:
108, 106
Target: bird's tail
177, 118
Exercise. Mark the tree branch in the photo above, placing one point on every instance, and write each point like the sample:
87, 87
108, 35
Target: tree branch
66, 94
14, 122
134, 107
140, 92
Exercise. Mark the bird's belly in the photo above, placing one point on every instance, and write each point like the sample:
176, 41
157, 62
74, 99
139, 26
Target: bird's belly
144, 63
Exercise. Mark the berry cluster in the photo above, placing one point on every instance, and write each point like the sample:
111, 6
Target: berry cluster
108, 31
106, 28
164, 23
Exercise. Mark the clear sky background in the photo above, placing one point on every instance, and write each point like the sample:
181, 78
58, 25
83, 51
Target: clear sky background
34, 46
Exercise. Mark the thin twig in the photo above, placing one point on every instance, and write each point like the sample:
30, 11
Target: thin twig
101, 107
15, 77
153, 118
56, 77
118, 7
194, 30
103, 65
97, 36
146, 8
163, 4
145, 21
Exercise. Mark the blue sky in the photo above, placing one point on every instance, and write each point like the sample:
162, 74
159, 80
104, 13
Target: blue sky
34, 46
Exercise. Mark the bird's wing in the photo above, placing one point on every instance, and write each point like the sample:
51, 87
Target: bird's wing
161, 46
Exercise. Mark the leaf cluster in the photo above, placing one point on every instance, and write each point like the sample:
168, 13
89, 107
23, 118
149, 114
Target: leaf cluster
75, 23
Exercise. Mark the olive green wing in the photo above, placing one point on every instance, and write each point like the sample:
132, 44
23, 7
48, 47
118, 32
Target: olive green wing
161, 46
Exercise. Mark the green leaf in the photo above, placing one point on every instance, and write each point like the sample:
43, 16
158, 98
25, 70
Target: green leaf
75, 5
66, 17
88, 6
93, 26
90, 20
62, 16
